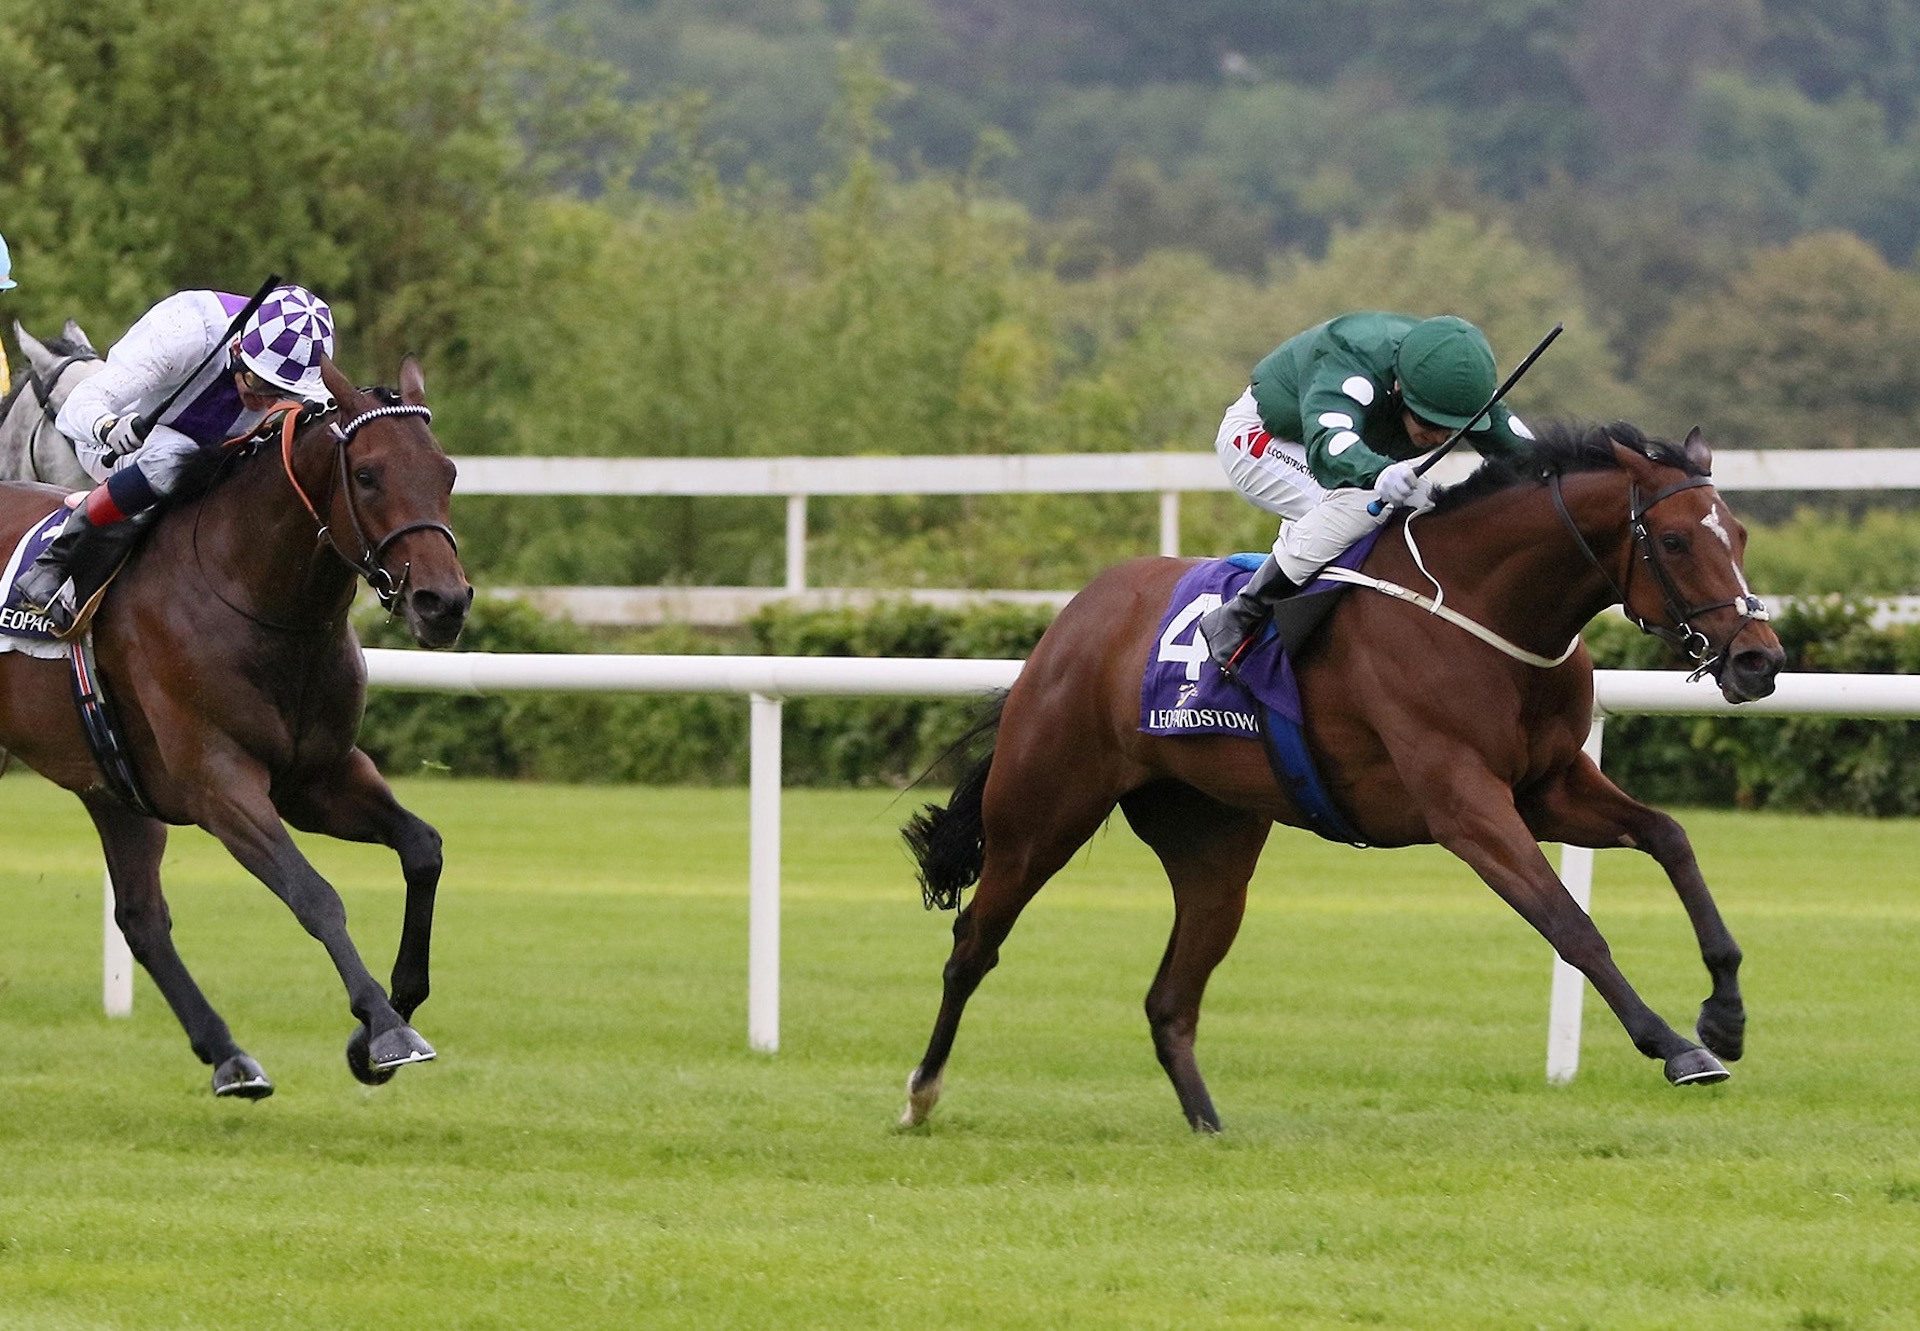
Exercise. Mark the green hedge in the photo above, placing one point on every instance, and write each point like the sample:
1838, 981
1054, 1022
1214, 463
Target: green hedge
1784, 763
1805, 763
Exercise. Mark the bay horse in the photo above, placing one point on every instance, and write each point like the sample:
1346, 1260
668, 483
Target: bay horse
1422, 733
240, 685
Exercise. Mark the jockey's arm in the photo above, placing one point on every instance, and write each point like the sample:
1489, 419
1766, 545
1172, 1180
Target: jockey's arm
159, 352
1333, 412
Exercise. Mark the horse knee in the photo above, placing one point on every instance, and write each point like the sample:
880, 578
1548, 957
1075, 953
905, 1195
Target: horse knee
1173, 1026
421, 852
138, 919
1587, 952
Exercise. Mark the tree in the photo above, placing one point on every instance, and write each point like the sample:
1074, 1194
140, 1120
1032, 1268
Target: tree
384, 152
1809, 347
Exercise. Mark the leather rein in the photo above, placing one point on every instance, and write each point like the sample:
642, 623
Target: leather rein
367, 563
1682, 636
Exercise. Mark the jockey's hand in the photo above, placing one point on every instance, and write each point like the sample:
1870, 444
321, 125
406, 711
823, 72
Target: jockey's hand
1402, 487
116, 434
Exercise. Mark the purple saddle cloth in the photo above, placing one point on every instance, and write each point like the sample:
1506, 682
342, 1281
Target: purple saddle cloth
1183, 693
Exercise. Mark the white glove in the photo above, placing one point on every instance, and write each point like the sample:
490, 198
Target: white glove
1402, 487
116, 435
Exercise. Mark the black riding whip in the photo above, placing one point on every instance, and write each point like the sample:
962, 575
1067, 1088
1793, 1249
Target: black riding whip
1378, 506
143, 425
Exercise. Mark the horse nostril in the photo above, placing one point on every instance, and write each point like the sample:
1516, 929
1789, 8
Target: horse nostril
428, 604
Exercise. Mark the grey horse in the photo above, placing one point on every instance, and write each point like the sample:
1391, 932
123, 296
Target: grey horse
31, 449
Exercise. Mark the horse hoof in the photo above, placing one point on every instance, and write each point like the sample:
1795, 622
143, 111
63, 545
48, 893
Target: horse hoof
1695, 1067
398, 1047
920, 1102
242, 1078
360, 1064
1724, 1033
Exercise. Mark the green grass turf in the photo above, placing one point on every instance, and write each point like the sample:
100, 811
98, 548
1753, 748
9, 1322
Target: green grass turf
598, 1147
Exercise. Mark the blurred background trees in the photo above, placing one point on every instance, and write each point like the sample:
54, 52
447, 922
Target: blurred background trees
732, 227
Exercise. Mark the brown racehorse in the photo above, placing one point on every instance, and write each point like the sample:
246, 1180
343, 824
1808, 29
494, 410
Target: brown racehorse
1421, 732
239, 685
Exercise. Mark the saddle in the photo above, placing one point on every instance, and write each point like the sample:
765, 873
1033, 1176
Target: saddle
1182, 691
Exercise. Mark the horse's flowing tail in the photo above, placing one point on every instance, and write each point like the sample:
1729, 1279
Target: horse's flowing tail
949, 841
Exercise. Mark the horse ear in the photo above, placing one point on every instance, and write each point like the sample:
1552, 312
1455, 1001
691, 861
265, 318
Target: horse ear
413, 384
1699, 456
36, 352
337, 383
77, 335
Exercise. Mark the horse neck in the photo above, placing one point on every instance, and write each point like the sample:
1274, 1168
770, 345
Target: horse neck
256, 540
1509, 561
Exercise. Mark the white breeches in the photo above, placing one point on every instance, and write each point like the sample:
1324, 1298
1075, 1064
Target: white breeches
1319, 523
161, 459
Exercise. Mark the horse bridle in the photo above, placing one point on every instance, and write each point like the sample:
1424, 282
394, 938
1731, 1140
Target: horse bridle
43, 386
367, 564
1682, 636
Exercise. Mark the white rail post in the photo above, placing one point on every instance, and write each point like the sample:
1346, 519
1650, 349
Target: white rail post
1170, 523
763, 872
796, 543
1569, 985
116, 973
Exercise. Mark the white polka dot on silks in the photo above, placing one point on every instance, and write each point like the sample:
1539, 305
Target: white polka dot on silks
1359, 388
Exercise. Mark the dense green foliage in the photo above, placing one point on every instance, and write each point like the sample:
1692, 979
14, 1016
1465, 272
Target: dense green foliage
784, 226
597, 1147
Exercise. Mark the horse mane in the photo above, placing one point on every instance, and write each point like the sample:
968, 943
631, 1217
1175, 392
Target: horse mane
1562, 448
61, 348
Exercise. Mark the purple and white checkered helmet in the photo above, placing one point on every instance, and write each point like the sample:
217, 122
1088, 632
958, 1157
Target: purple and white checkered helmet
286, 337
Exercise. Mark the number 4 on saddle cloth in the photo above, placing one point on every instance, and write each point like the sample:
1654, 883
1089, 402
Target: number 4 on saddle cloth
30, 634
1184, 693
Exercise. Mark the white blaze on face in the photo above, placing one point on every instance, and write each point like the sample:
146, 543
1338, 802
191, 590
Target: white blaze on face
1713, 524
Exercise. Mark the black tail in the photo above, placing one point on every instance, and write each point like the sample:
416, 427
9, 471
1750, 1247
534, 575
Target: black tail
949, 842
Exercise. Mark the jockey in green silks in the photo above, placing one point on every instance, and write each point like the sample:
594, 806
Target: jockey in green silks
1335, 418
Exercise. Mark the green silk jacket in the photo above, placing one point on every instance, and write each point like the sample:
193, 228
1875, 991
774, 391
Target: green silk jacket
1331, 389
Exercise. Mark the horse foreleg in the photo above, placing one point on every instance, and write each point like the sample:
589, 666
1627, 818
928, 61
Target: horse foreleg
234, 805
1032, 828
133, 844
1209, 852
1471, 812
1582, 807
355, 803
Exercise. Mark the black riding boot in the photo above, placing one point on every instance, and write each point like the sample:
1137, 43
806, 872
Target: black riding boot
72, 569
1230, 628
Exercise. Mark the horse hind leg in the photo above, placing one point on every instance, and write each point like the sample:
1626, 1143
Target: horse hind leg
1209, 851
1033, 822
133, 845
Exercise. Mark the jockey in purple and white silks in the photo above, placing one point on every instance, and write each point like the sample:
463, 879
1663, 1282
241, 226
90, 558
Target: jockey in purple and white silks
173, 352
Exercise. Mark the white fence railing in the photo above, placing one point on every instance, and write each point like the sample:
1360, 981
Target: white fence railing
766, 680
1168, 474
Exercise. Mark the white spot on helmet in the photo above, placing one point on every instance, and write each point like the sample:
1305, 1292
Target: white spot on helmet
1518, 426
1359, 388
1341, 442
1336, 420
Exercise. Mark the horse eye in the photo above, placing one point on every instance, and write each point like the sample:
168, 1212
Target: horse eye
1673, 543
365, 478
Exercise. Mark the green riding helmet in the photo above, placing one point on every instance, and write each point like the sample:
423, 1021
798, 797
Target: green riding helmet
1445, 368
